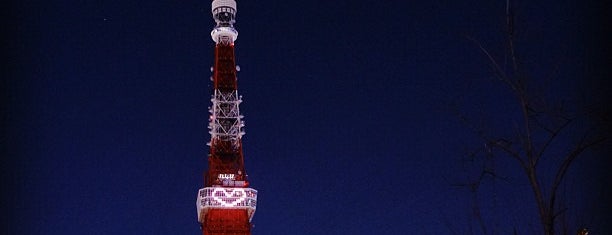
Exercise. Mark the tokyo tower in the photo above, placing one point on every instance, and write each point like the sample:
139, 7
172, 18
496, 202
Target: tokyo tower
226, 204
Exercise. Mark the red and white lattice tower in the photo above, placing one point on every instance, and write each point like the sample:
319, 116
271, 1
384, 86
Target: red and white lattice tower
226, 204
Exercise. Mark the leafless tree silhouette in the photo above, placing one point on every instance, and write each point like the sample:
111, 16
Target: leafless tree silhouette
540, 125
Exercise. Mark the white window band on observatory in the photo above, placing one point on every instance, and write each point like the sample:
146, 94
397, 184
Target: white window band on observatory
226, 198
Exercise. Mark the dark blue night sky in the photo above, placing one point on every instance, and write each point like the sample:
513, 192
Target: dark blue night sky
348, 108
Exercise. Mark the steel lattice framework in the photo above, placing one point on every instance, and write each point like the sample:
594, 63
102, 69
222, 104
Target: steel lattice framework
225, 205
225, 119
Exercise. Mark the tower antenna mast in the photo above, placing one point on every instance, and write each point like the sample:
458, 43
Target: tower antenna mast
226, 204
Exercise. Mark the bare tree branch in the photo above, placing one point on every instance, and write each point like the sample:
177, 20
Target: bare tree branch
567, 161
538, 121
550, 139
499, 72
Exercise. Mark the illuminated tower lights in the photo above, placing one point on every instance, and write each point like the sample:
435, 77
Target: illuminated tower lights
225, 205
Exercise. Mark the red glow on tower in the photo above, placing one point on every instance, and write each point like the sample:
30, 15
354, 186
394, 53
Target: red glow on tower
225, 205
